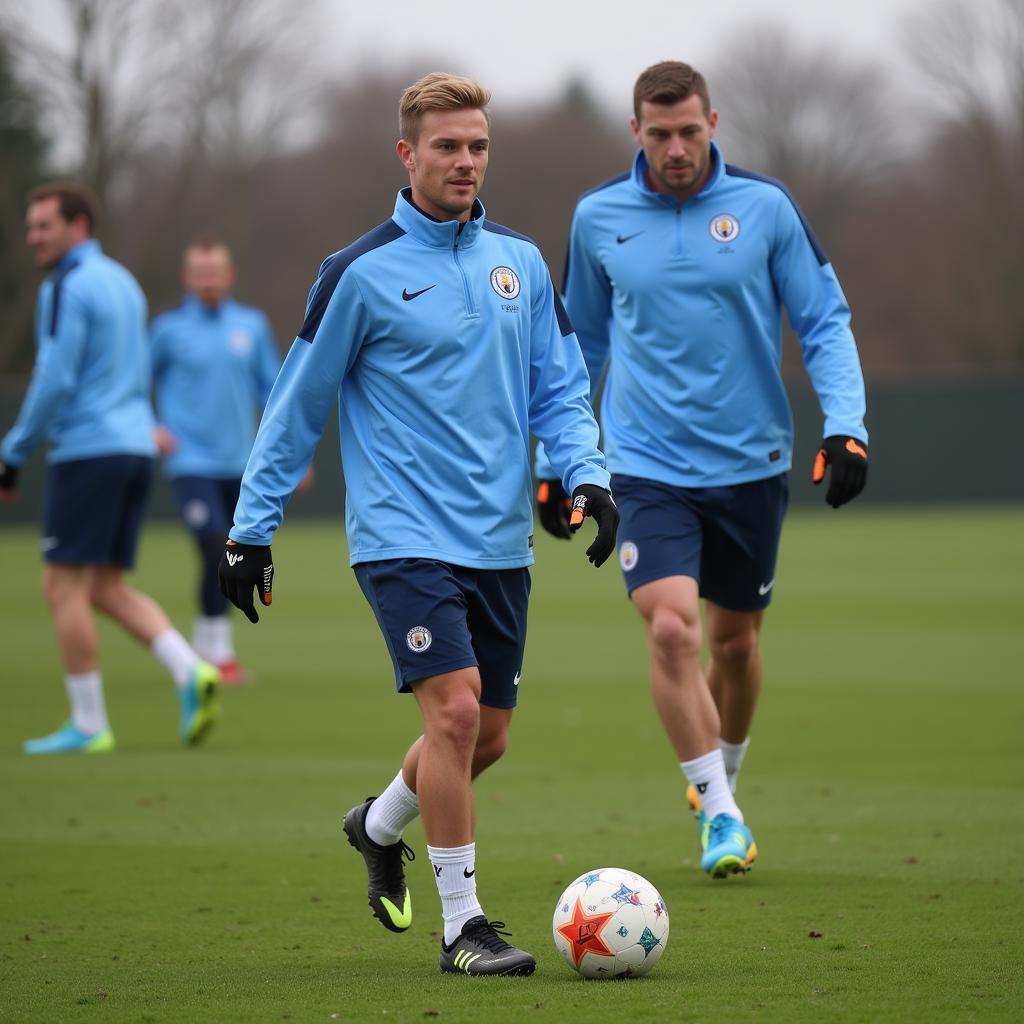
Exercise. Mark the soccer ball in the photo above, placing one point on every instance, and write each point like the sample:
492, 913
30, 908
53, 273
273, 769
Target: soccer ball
610, 923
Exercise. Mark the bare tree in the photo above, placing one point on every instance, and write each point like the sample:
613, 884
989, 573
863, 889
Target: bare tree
820, 125
971, 54
225, 80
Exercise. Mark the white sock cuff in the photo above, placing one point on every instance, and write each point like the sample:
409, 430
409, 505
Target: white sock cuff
702, 766
173, 651
406, 793
391, 812
735, 749
85, 695
451, 854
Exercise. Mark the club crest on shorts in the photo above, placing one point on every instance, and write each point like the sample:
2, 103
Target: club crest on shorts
505, 282
196, 513
240, 341
628, 555
418, 639
724, 227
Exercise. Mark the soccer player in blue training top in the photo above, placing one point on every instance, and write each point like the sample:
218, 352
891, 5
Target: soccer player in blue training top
90, 394
443, 342
214, 363
676, 278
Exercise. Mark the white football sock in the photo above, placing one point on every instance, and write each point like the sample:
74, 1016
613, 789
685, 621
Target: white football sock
212, 639
707, 775
732, 755
391, 812
455, 874
173, 651
88, 709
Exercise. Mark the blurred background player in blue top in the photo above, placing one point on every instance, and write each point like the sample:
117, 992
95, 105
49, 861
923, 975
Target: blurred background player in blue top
676, 278
89, 395
214, 363
441, 341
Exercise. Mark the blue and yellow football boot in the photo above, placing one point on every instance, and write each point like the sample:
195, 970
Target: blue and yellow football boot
200, 703
69, 740
729, 847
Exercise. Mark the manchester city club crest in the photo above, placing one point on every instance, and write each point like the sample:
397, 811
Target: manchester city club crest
628, 555
724, 227
418, 639
240, 342
505, 282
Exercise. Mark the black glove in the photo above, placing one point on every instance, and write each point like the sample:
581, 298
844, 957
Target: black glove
553, 508
243, 567
591, 500
848, 458
8, 476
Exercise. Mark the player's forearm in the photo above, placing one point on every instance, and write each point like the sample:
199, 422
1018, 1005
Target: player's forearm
42, 404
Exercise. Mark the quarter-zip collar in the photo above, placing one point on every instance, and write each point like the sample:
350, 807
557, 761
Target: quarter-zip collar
640, 168
74, 255
198, 308
438, 234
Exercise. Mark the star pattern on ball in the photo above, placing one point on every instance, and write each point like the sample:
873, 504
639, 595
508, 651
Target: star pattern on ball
583, 933
626, 895
648, 941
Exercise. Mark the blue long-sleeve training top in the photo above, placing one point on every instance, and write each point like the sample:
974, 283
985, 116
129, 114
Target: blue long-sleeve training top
682, 303
213, 368
89, 392
443, 345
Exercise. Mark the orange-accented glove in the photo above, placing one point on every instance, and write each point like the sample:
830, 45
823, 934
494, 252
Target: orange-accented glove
591, 500
848, 458
553, 508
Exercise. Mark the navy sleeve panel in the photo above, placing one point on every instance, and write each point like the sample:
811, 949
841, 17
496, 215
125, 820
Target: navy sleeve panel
334, 266
58, 282
739, 172
500, 229
617, 180
564, 323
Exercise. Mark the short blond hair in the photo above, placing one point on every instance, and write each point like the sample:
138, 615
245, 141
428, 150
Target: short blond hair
439, 91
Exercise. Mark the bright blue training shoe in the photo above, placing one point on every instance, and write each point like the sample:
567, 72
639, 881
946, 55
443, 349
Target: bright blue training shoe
69, 740
729, 848
200, 703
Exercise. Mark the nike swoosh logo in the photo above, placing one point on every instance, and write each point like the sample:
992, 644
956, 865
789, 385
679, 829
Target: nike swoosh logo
515, 682
399, 918
625, 238
468, 873
408, 295
855, 449
765, 587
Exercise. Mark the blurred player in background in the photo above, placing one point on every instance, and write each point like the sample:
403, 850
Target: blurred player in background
90, 395
448, 344
676, 278
214, 363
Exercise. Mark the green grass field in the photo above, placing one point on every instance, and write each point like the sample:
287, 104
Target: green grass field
884, 785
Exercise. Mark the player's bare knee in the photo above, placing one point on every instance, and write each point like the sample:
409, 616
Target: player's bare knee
673, 637
489, 749
101, 595
455, 717
736, 648
58, 587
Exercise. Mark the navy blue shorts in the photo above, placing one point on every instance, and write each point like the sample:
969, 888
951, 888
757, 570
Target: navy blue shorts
206, 504
726, 538
93, 509
438, 618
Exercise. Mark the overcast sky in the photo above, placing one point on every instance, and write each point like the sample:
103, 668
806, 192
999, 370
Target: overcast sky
527, 49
